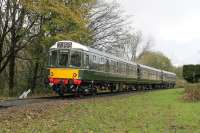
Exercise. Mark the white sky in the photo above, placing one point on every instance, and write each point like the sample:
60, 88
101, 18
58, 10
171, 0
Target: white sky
174, 25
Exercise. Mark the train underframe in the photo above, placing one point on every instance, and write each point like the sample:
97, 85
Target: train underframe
94, 87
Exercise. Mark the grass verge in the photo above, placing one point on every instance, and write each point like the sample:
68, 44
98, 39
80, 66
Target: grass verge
150, 112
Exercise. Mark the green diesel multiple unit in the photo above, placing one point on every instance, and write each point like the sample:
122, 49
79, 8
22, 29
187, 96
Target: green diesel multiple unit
75, 68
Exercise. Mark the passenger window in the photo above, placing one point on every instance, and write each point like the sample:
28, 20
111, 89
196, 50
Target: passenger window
107, 65
124, 68
75, 59
101, 64
86, 61
94, 58
115, 67
127, 69
118, 69
98, 62
111, 66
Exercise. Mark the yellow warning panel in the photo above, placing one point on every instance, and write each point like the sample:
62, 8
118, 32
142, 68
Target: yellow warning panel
64, 73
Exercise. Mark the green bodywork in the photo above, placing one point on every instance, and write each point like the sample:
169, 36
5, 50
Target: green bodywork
88, 75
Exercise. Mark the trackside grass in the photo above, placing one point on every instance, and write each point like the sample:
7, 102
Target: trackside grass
161, 111
192, 92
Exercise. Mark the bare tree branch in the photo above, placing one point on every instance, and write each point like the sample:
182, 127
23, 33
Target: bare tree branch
109, 28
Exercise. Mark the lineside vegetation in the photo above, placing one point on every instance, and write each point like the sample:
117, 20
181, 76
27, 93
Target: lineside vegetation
149, 112
192, 93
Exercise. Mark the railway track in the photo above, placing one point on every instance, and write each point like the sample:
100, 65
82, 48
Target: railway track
5, 104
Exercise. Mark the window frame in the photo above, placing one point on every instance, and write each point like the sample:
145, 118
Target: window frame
50, 58
58, 57
81, 58
86, 60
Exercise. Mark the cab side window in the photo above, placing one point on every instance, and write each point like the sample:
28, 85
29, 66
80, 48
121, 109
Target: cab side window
53, 58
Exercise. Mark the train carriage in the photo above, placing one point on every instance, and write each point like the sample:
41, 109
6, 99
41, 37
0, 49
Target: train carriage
168, 79
149, 74
75, 68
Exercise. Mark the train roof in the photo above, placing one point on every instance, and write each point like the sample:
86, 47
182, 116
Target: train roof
151, 68
65, 44
169, 73
75, 45
158, 70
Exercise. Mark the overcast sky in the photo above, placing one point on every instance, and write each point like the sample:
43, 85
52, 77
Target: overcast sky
174, 25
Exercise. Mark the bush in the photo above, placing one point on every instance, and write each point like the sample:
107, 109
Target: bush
192, 92
191, 73
180, 83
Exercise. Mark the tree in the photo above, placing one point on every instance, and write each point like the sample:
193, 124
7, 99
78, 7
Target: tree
16, 32
179, 72
24, 21
146, 47
110, 29
131, 47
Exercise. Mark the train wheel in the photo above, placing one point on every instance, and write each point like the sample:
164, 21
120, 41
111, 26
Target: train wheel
80, 92
59, 90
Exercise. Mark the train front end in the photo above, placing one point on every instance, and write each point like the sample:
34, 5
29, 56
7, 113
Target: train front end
64, 72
